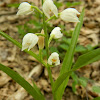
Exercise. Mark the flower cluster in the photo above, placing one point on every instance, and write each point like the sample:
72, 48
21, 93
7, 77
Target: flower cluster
31, 39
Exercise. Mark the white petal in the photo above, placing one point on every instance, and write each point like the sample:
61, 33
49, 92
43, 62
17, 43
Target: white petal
46, 10
58, 62
54, 10
56, 33
49, 61
69, 15
24, 8
29, 41
55, 56
23, 5
34, 42
48, 6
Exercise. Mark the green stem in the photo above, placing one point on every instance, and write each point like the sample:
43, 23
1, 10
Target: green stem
37, 9
40, 54
47, 49
52, 17
46, 36
50, 75
39, 34
50, 39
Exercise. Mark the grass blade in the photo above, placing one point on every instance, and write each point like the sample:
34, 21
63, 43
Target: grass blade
97, 98
67, 62
21, 81
87, 58
60, 80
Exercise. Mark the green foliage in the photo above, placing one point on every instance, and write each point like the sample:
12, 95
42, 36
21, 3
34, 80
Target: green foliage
97, 98
73, 4
87, 58
67, 62
83, 81
36, 88
65, 43
15, 5
20, 80
58, 4
78, 81
60, 80
96, 89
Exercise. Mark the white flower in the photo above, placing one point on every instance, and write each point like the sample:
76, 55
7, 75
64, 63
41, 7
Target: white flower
69, 15
54, 59
48, 6
24, 8
56, 33
29, 41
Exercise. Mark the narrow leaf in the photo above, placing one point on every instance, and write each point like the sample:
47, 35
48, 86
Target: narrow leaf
74, 86
36, 88
83, 81
97, 98
60, 80
21, 81
87, 58
67, 62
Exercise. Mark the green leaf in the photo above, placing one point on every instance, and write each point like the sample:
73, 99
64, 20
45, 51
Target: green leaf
80, 48
67, 62
15, 5
58, 4
60, 80
73, 86
64, 46
83, 81
21, 81
18, 44
87, 58
74, 77
66, 40
68, 4
98, 98
53, 49
36, 88
96, 89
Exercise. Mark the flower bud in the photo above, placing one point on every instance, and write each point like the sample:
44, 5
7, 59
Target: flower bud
29, 41
70, 15
48, 6
54, 59
56, 33
41, 40
24, 8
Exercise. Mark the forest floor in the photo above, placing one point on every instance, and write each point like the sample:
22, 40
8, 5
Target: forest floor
24, 64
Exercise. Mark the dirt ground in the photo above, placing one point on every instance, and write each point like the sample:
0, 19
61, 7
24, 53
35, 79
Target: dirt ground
24, 64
